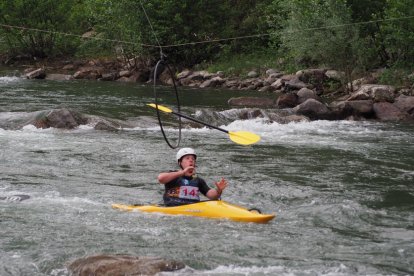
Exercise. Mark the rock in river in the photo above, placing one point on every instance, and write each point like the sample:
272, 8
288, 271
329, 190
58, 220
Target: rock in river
108, 265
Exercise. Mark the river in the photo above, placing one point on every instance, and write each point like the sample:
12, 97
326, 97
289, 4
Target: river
343, 191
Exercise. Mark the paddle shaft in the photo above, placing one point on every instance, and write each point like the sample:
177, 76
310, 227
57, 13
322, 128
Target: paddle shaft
198, 121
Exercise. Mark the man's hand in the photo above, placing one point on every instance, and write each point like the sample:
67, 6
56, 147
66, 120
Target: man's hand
189, 171
221, 185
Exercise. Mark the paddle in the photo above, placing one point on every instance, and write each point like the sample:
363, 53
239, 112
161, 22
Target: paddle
239, 137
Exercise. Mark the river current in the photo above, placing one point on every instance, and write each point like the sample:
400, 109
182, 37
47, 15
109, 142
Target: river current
343, 191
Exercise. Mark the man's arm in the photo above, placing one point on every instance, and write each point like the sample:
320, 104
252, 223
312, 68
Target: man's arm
166, 177
216, 192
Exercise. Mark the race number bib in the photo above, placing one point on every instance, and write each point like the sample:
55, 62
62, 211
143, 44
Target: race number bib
189, 192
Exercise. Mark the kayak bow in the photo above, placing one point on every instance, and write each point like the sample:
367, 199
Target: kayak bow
214, 209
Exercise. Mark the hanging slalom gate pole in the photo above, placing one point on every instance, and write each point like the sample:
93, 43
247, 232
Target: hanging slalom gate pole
163, 62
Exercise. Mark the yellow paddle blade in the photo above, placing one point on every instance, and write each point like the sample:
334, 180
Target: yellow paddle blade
244, 137
160, 107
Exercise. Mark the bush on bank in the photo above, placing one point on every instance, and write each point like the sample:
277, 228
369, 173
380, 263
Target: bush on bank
351, 36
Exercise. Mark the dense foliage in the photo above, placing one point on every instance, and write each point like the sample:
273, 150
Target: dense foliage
341, 34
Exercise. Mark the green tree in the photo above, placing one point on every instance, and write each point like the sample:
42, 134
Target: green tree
49, 15
319, 33
399, 34
185, 24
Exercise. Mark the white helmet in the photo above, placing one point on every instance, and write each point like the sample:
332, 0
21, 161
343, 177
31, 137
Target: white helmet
185, 151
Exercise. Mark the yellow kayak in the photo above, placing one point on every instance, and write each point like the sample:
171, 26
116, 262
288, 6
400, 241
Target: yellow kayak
215, 209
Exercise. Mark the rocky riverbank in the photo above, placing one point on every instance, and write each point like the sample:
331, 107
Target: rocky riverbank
311, 93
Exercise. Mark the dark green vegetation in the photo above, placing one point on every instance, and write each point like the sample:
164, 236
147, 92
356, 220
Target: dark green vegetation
349, 35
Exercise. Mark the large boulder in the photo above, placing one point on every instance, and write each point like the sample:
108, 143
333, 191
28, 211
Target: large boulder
184, 74
305, 94
314, 77
388, 112
108, 265
111, 76
287, 100
213, 82
309, 75
39, 73
344, 109
59, 118
251, 102
375, 92
294, 83
405, 104
231, 83
89, 72
313, 109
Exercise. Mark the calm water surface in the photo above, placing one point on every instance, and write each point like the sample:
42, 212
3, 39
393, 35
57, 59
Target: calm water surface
343, 191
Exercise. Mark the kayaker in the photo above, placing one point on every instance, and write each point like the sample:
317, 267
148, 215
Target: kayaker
183, 186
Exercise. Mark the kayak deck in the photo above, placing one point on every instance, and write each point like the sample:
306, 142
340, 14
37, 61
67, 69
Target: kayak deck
215, 209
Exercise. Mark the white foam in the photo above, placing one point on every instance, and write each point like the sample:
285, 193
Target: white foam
9, 79
338, 270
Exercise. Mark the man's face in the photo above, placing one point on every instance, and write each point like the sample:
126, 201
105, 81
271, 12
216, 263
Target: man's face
188, 161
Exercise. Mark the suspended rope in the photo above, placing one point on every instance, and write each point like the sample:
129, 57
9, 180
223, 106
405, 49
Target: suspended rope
203, 41
162, 63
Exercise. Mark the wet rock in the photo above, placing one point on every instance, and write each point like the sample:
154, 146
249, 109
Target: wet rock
278, 84
388, 112
359, 96
383, 93
359, 83
59, 118
405, 104
272, 78
344, 109
313, 109
90, 73
295, 119
313, 77
247, 114
406, 91
108, 265
281, 119
295, 84
287, 100
106, 126
305, 94
251, 102
198, 76
231, 83
124, 73
194, 79
213, 82
184, 74
59, 77
109, 76
36, 74
375, 92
